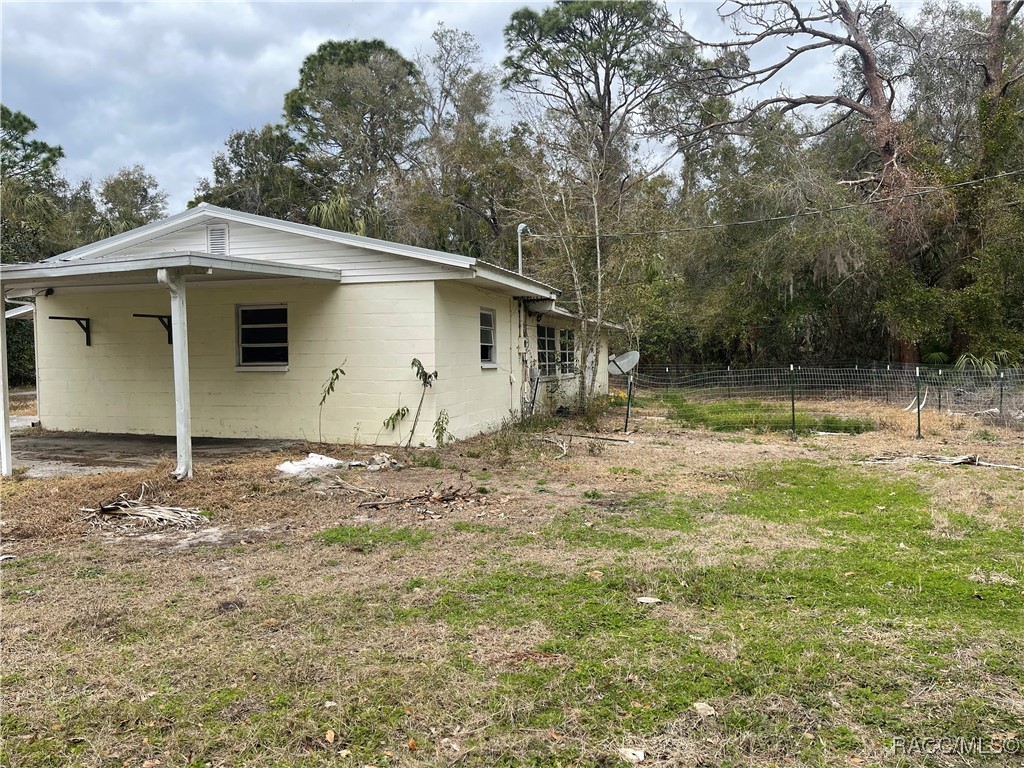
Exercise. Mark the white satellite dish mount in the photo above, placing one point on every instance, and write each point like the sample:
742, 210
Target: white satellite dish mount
619, 366
624, 363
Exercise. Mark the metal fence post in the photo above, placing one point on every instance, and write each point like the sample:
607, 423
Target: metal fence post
792, 398
938, 384
917, 384
629, 402
1001, 414
885, 384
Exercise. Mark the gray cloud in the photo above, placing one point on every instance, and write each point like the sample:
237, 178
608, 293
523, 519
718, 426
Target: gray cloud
164, 83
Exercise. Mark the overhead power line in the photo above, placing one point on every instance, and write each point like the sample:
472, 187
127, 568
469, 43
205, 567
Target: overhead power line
789, 216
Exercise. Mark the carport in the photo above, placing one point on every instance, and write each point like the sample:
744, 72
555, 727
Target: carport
174, 271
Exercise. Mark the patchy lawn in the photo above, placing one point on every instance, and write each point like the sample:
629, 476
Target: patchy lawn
805, 609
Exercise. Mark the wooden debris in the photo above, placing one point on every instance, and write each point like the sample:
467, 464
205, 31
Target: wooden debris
597, 437
343, 485
970, 459
448, 495
137, 512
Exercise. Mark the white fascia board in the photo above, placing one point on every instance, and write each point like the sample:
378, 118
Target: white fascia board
21, 274
206, 213
516, 284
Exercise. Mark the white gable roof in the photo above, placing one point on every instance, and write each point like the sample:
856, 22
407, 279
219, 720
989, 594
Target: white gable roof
206, 214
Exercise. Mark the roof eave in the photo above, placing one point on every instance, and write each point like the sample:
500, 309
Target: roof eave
25, 274
516, 284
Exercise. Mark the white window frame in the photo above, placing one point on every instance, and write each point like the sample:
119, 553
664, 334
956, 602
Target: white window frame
490, 361
547, 354
568, 360
239, 346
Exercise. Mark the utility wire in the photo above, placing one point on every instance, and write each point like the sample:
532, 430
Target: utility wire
788, 216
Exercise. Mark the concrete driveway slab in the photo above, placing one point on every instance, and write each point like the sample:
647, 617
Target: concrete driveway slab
65, 454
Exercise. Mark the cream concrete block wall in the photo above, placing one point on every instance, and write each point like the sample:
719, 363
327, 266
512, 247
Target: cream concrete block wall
476, 398
123, 383
384, 326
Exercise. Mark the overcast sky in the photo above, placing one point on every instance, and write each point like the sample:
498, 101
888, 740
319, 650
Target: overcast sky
164, 83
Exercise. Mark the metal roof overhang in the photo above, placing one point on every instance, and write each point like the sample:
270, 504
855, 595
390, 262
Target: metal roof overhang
140, 271
511, 283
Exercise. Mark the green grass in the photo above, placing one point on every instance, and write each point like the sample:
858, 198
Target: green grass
657, 509
427, 459
843, 632
757, 415
368, 538
574, 530
880, 555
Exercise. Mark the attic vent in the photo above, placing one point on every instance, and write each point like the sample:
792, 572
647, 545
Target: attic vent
217, 239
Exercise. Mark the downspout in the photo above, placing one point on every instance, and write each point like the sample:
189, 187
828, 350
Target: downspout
174, 282
6, 462
513, 350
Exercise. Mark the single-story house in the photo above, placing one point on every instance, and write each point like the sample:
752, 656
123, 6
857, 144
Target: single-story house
219, 323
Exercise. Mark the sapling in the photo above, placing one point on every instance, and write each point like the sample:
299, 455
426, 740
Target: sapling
426, 380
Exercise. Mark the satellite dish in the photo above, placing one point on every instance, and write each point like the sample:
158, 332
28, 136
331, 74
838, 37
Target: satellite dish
623, 363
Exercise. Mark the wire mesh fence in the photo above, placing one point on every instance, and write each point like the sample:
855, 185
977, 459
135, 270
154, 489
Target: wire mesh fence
823, 398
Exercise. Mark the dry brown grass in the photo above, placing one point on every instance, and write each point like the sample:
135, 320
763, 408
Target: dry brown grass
22, 405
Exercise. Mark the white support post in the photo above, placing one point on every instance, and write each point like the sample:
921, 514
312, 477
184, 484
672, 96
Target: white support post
6, 462
174, 282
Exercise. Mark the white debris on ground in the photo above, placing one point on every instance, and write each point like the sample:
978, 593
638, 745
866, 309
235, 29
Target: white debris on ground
311, 463
316, 462
704, 709
632, 756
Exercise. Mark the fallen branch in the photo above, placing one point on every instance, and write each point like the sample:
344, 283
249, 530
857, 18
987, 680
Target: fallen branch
968, 459
343, 485
596, 437
563, 446
443, 496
